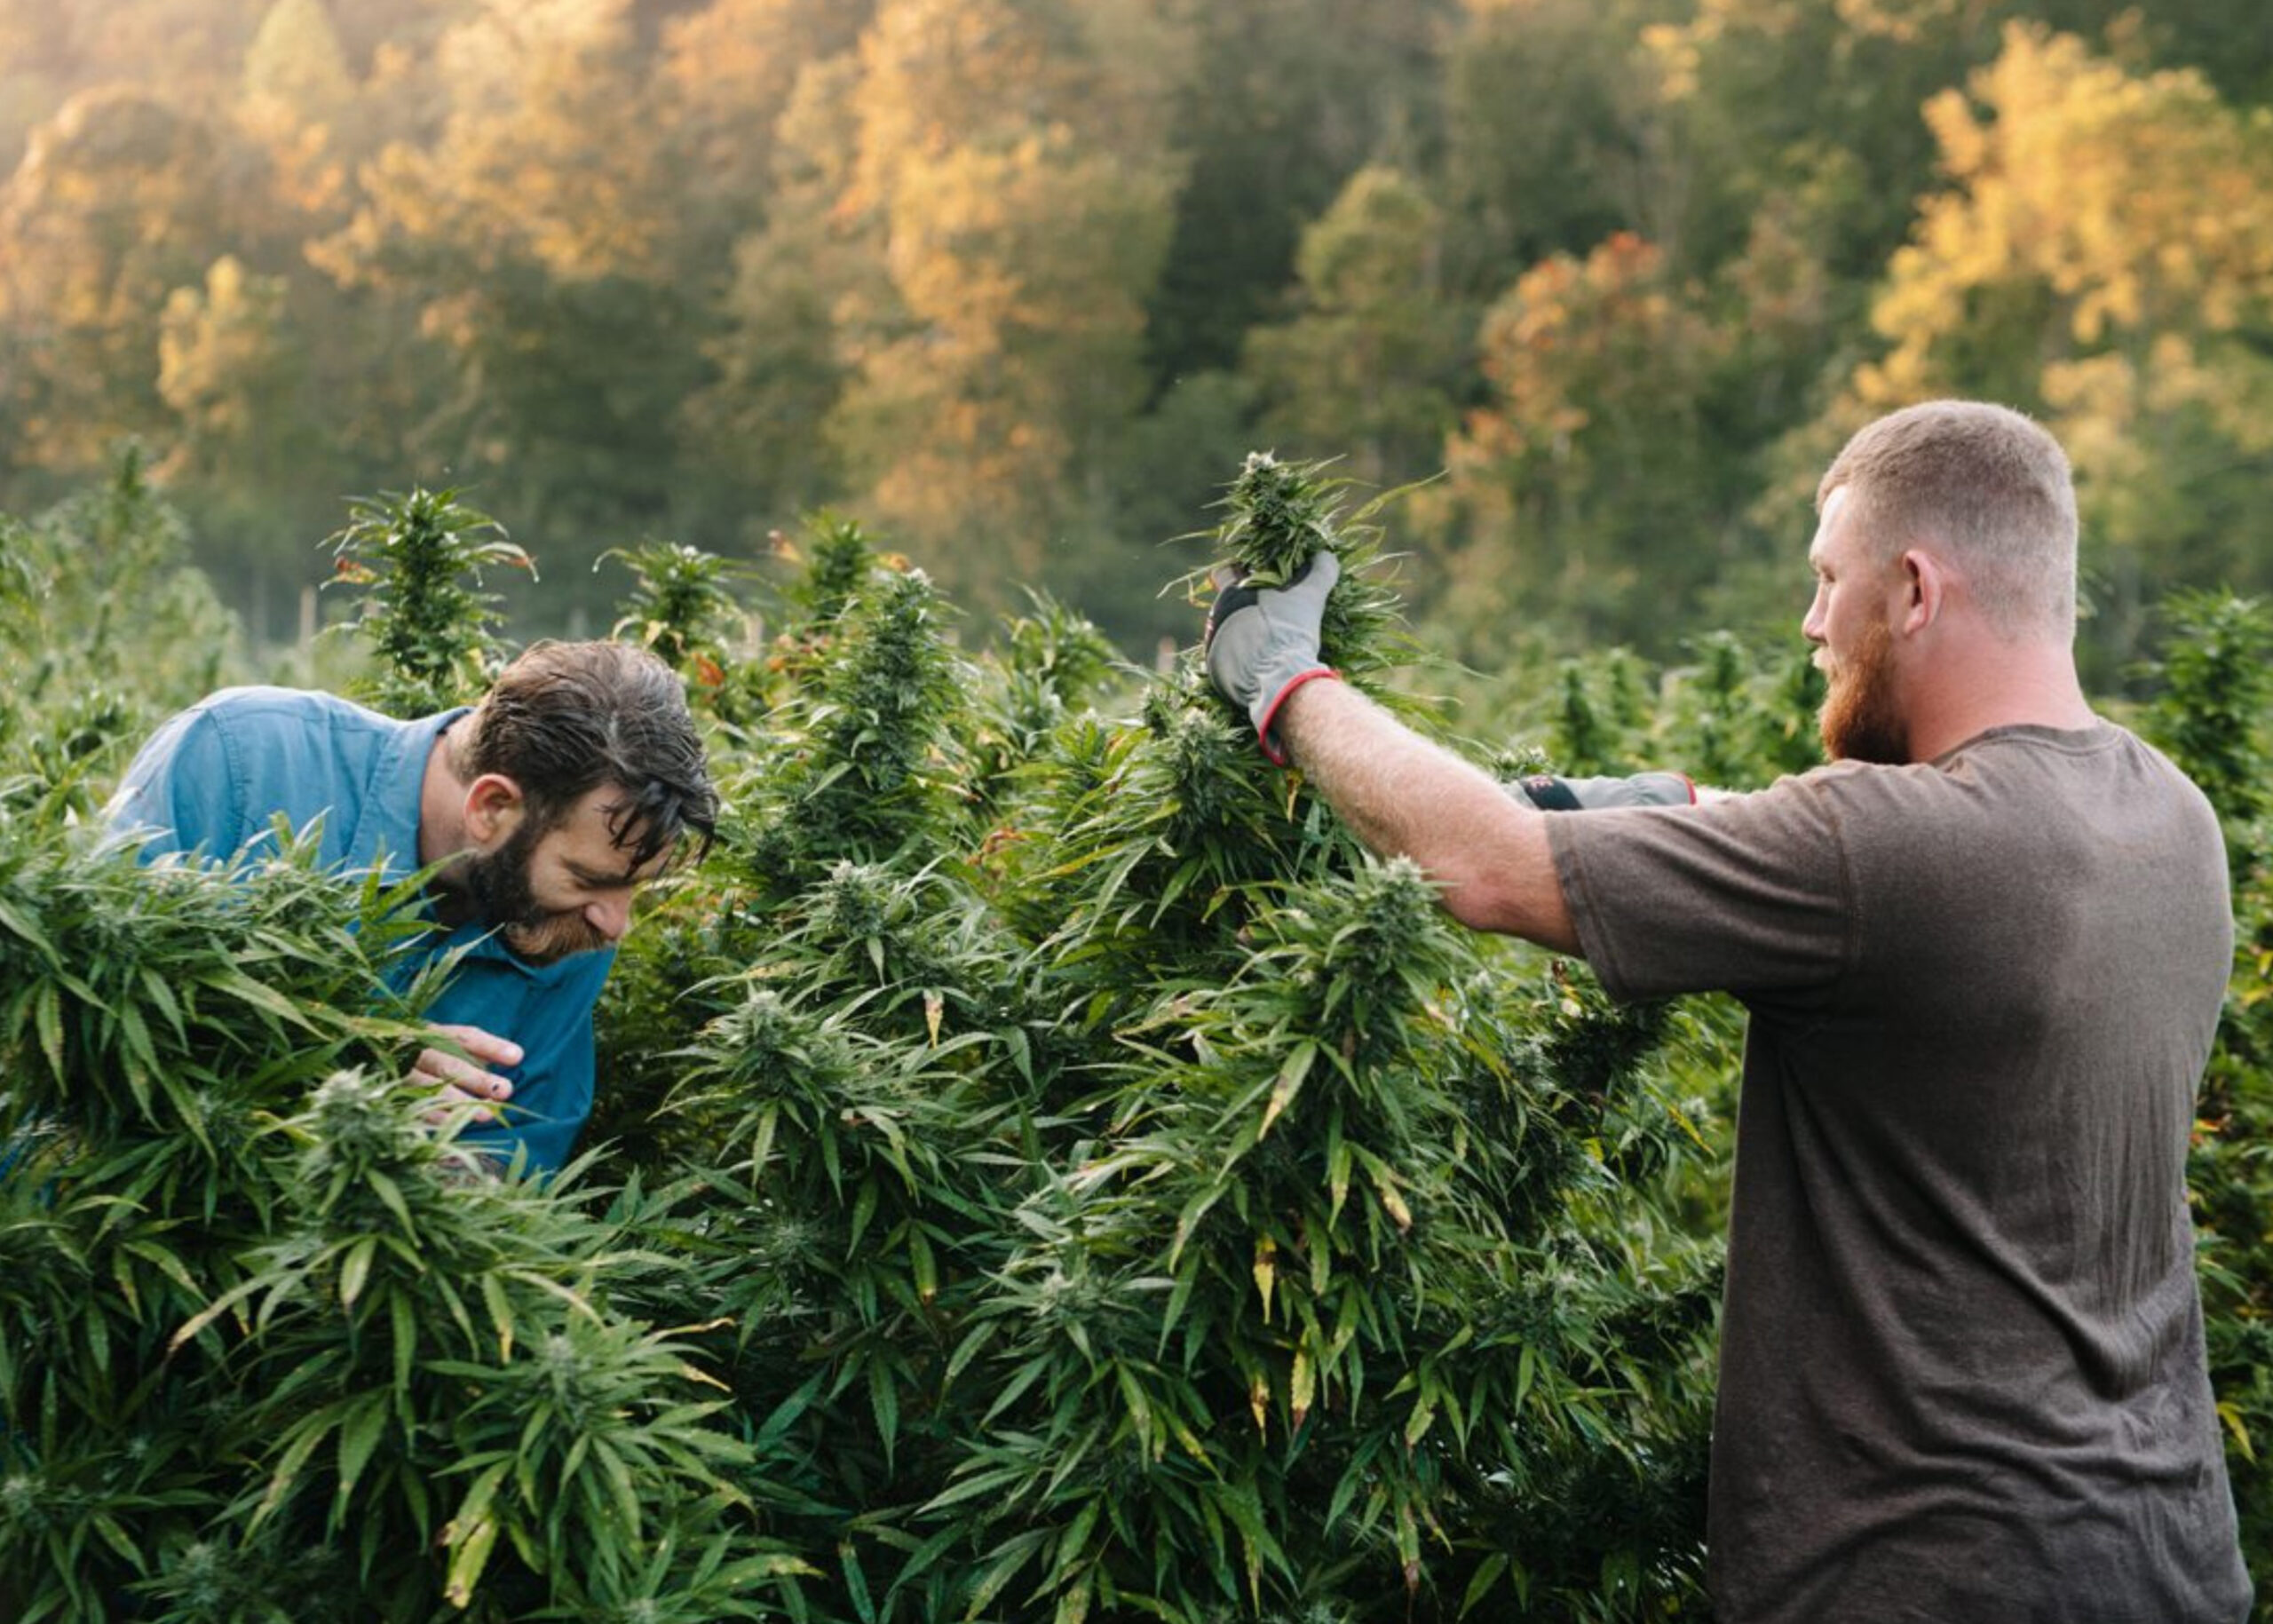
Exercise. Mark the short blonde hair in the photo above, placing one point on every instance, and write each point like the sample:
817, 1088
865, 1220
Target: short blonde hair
1987, 483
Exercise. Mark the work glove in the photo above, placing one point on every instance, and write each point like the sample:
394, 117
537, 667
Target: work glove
1549, 793
1262, 642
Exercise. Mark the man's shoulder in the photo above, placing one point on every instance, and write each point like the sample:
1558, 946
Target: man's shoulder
2019, 760
299, 730
263, 705
2022, 804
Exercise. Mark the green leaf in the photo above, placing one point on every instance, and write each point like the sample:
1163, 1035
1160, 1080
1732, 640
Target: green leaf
402, 1321
20, 926
1074, 1545
49, 1011
470, 1546
266, 998
1296, 1066
356, 1269
306, 1437
1487, 1574
1006, 1559
856, 1582
213, 1310
884, 1401
390, 1193
500, 1314
976, 1484
357, 1440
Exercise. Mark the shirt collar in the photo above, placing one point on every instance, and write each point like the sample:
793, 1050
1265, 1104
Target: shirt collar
387, 821
477, 941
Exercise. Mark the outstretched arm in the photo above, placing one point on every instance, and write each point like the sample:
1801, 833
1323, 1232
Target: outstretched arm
1405, 797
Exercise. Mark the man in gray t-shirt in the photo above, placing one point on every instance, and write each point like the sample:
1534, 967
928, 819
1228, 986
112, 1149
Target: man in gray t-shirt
1961, 1368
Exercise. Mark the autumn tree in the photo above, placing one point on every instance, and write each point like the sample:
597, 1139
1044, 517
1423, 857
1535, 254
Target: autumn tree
523, 255
1281, 105
302, 103
778, 366
1013, 169
1005, 276
32, 34
1370, 363
1552, 124
1752, 94
122, 200
2102, 254
725, 77
1584, 483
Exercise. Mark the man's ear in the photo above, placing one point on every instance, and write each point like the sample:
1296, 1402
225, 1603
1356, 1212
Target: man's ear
494, 807
1926, 584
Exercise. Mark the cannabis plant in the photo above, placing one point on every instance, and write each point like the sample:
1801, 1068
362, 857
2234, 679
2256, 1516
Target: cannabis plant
417, 557
680, 602
274, 1347
105, 628
1044, 1167
1127, 1196
1280, 515
2212, 714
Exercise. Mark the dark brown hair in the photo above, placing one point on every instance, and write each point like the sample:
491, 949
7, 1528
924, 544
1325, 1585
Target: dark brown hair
566, 718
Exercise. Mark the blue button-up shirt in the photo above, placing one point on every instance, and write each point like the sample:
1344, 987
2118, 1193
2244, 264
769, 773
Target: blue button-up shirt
213, 778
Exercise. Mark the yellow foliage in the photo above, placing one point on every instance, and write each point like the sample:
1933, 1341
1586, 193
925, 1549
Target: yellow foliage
1018, 196
1571, 337
2139, 201
2138, 208
215, 342
534, 159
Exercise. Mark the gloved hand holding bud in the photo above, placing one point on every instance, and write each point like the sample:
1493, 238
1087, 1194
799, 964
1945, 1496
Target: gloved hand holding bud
1298, 593
1263, 642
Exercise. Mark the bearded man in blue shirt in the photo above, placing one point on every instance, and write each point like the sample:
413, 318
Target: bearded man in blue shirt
539, 810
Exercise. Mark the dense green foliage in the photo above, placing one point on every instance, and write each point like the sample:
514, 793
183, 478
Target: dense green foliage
1005, 277
1079, 1181
419, 559
2213, 716
1044, 1168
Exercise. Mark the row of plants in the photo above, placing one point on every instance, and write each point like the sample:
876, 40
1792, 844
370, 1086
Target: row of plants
1044, 1168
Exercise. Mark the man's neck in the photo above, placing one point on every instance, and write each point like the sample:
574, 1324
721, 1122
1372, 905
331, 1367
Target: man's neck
442, 805
1997, 685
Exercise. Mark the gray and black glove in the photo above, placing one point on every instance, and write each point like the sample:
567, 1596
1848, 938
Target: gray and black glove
1549, 793
1262, 642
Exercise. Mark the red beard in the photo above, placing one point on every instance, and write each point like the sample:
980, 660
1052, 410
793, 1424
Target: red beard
1860, 720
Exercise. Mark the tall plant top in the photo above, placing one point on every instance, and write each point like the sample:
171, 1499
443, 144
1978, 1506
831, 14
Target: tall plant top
681, 605
418, 559
1284, 514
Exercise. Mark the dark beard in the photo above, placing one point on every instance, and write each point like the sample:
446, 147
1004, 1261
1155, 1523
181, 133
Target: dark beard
498, 882
1859, 720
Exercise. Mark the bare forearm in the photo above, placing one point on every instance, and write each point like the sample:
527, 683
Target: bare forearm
1405, 797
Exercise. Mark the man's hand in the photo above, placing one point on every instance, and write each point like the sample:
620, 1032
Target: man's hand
459, 1078
1262, 642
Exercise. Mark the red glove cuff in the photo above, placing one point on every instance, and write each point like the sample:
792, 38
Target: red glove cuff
1262, 729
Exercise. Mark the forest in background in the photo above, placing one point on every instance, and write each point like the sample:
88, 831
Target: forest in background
1013, 280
